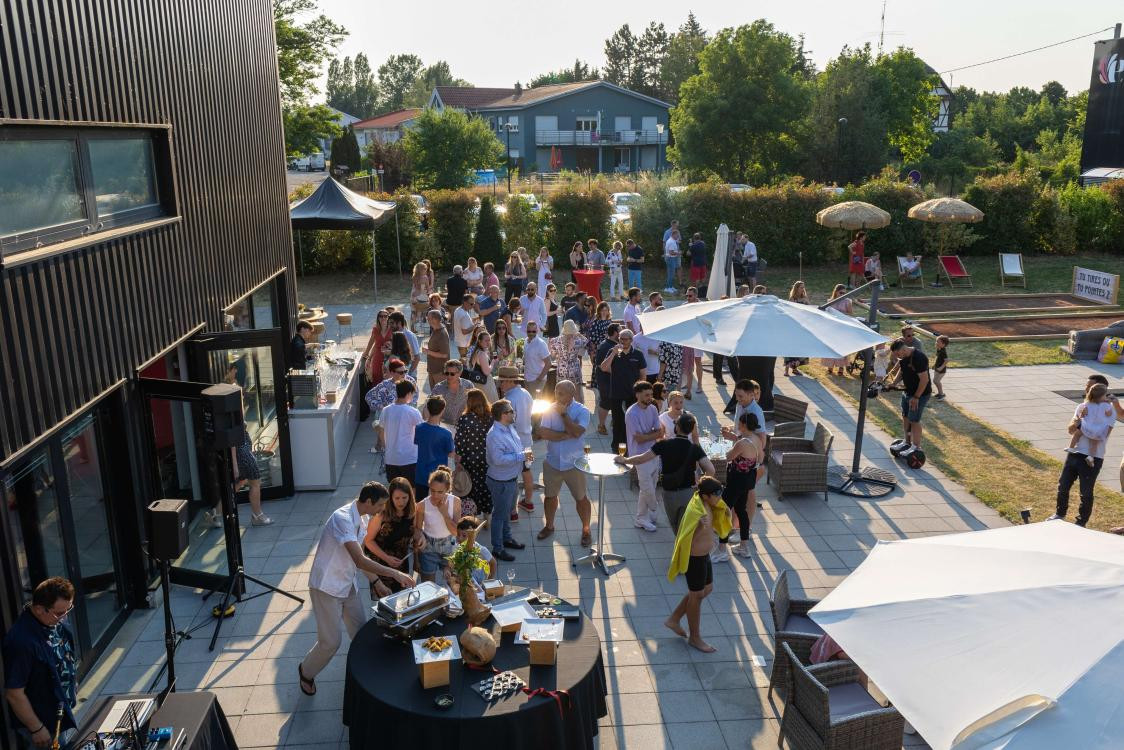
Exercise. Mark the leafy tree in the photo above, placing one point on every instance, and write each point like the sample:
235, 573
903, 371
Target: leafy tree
392, 159
651, 49
446, 147
955, 158
910, 108
396, 77
524, 226
437, 74
302, 46
306, 125
345, 150
682, 58
620, 57
580, 72
351, 87
487, 245
734, 118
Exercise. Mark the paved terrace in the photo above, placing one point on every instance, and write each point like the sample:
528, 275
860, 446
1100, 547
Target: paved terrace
662, 693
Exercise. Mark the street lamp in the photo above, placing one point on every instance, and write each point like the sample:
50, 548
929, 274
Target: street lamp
508, 127
841, 177
659, 140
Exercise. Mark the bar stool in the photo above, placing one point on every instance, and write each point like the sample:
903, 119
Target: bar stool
317, 330
343, 320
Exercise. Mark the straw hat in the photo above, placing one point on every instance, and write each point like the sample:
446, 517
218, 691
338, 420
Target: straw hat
570, 328
508, 372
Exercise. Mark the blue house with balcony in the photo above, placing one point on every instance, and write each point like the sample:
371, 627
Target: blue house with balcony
593, 126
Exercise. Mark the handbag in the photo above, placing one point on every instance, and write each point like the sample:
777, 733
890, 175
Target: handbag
462, 482
474, 373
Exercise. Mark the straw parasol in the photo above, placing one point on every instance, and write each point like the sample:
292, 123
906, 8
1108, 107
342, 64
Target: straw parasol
853, 215
946, 211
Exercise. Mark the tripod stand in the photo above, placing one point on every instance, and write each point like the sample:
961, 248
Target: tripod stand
236, 584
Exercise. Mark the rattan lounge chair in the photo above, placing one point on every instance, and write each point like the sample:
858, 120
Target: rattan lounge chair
829, 709
800, 465
791, 625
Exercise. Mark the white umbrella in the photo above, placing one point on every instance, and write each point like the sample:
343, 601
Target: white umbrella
1008, 638
719, 271
760, 325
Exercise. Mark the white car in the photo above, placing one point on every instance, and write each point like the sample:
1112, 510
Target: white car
622, 206
738, 187
529, 198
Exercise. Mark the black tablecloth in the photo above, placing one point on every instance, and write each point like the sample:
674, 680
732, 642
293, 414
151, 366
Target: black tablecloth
199, 714
384, 704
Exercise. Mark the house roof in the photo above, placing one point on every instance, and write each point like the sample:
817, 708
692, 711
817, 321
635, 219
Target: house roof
525, 97
389, 120
489, 98
470, 97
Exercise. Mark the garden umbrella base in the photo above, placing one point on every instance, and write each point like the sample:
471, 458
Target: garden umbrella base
869, 481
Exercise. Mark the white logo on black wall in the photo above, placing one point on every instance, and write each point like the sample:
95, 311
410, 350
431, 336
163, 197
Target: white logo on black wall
1111, 69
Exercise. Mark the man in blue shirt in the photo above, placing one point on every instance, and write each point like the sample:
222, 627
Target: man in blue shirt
506, 456
41, 666
578, 313
563, 427
434, 442
491, 307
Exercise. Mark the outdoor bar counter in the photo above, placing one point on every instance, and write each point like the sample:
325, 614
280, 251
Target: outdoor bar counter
321, 437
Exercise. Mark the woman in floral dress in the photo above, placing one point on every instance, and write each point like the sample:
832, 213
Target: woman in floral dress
504, 343
472, 454
566, 353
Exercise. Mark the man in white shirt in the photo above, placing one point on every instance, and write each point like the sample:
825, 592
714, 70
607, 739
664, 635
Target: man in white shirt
464, 321
673, 228
746, 392
533, 306
749, 260
643, 428
671, 254
536, 359
333, 583
398, 422
631, 310
511, 388
563, 427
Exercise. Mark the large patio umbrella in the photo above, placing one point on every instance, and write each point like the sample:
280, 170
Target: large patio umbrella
1008, 638
721, 270
945, 211
853, 215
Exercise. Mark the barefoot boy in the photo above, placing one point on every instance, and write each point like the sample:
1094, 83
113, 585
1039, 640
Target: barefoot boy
704, 516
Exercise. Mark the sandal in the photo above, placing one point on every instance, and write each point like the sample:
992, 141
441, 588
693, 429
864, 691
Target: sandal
587, 539
545, 532
305, 681
601, 430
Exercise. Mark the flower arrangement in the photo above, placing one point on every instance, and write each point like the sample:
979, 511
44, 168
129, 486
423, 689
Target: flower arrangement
465, 559
519, 344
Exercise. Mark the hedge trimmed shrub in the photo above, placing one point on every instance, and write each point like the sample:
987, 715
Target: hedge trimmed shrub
451, 222
406, 235
1014, 214
524, 226
576, 215
1098, 223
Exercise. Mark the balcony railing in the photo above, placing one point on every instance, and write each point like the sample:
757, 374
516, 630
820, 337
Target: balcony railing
602, 138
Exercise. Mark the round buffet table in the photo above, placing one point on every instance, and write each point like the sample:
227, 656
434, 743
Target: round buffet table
384, 704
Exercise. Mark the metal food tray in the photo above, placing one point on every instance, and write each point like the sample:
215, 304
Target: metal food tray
407, 629
411, 602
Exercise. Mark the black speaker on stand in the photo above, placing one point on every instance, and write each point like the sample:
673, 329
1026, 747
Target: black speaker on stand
222, 430
166, 521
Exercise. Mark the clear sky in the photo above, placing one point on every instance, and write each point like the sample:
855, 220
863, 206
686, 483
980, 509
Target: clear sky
498, 43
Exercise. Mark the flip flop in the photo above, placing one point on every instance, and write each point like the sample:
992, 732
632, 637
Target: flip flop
587, 539
305, 681
545, 532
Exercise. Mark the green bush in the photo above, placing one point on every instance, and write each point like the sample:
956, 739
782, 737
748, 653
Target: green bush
896, 197
405, 236
487, 246
1098, 223
649, 217
324, 251
1017, 218
576, 215
524, 226
451, 222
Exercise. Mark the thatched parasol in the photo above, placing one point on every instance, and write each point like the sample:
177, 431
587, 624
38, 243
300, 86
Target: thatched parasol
853, 215
946, 211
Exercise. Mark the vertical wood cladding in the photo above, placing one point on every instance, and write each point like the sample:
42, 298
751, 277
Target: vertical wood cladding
76, 323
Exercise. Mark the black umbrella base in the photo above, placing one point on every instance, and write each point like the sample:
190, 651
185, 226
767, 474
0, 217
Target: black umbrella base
868, 482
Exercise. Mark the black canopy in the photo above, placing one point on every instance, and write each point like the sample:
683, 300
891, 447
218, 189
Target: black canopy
333, 206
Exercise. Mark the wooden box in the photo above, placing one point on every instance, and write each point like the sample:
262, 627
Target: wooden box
543, 653
493, 588
434, 673
433, 668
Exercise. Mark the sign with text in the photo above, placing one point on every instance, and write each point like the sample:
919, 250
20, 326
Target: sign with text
1096, 286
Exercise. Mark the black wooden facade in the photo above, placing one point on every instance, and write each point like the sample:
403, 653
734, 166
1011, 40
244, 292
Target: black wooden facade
81, 319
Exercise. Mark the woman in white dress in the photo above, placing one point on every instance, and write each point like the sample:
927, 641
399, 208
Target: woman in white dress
482, 358
474, 277
545, 264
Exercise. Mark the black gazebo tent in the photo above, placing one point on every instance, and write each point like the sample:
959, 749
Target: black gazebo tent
333, 206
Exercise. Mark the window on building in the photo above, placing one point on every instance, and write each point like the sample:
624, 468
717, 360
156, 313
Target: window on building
588, 124
623, 158
61, 183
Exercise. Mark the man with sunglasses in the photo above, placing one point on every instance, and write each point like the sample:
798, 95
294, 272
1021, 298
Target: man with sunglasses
536, 359
41, 666
454, 389
384, 394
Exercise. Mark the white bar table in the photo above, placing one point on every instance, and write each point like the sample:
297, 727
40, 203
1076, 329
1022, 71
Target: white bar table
600, 465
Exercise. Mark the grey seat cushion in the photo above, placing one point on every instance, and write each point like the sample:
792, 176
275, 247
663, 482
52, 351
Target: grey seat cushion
848, 700
802, 624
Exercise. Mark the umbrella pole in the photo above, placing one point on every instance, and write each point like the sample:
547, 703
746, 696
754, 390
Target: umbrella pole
375, 265
870, 481
398, 241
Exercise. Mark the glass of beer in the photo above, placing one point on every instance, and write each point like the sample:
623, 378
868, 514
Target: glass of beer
586, 448
622, 449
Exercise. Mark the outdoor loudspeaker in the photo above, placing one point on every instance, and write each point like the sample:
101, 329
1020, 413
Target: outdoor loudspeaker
167, 528
222, 416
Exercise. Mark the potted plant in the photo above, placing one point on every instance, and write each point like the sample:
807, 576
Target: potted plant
463, 562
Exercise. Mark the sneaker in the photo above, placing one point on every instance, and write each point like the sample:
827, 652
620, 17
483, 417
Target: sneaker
643, 523
654, 518
1056, 517
719, 554
698, 389
898, 444
527, 505
939, 397
212, 519
743, 550
514, 515
909, 450
260, 519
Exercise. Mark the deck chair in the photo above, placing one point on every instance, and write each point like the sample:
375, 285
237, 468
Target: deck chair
905, 280
1011, 270
953, 269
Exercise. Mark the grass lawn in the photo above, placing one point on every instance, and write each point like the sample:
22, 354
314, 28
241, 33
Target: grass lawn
1004, 472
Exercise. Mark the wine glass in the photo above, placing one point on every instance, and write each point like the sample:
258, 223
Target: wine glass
510, 576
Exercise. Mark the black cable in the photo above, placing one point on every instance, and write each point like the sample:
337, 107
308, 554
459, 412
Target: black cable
1026, 52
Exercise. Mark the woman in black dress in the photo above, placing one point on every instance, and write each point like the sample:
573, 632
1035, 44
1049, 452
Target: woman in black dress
552, 308
391, 534
472, 454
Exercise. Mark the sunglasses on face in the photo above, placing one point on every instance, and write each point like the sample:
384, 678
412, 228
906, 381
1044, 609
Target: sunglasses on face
452, 374
399, 372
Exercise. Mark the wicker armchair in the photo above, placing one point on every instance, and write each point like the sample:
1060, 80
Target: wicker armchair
828, 709
791, 625
799, 465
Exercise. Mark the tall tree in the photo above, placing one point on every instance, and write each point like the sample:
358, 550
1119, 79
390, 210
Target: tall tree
580, 72
396, 77
303, 44
651, 49
734, 118
305, 125
620, 56
366, 90
445, 148
345, 150
682, 58
437, 74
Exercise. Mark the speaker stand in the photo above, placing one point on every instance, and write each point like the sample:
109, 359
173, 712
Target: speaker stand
238, 578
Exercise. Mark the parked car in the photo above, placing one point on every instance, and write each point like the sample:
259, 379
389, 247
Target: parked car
738, 187
423, 210
316, 162
622, 206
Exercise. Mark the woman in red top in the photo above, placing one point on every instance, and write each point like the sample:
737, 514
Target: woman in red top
380, 334
856, 251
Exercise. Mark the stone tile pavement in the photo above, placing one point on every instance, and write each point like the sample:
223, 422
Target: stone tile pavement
1023, 401
662, 694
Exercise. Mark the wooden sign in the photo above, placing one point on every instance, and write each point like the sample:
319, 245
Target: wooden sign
1095, 286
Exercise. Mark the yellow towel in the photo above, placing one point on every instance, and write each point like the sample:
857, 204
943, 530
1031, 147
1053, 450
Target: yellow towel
692, 514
